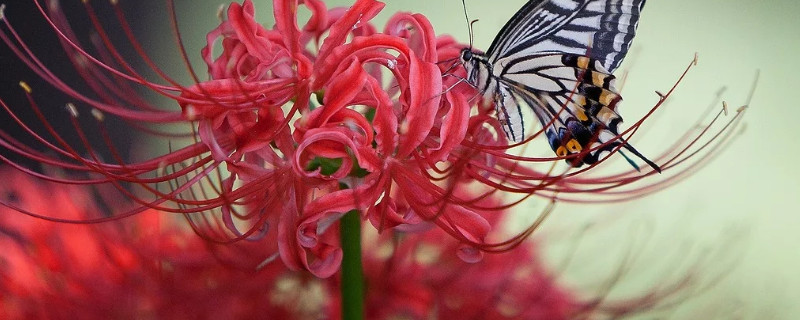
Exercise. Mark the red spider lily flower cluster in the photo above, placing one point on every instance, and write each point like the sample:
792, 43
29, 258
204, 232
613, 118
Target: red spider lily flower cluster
299, 125
152, 266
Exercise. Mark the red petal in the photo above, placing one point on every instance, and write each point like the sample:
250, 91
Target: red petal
454, 127
425, 87
361, 12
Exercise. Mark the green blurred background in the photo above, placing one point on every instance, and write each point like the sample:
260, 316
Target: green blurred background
737, 218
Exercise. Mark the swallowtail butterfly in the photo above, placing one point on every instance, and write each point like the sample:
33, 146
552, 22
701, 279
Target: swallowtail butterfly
557, 56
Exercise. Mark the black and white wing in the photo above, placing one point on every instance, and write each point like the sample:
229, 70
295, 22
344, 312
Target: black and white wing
602, 28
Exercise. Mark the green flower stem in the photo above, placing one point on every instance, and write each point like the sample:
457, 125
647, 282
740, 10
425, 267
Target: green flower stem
352, 285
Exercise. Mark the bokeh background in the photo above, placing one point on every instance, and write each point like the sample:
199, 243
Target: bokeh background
735, 224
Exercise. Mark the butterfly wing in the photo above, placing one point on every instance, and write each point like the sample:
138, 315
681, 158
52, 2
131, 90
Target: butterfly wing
601, 29
556, 56
572, 96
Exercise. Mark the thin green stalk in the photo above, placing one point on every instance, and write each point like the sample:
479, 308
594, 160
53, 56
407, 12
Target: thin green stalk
352, 287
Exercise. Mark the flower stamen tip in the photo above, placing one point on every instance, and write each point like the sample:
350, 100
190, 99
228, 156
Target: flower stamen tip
162, 167
73, 111
725, 107
114, 2
221, 13
190, 112
742, 108
80, 60
694, 62
24, 85
266, 261
2, 11
99, 115
404, 127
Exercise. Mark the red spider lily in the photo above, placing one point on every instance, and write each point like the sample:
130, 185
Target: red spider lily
298, 125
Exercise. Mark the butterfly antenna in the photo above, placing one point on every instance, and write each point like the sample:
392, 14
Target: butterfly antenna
469, 23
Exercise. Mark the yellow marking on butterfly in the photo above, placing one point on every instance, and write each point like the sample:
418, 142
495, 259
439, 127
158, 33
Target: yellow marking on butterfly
605, 115
25, 86
580, 100
607, 97
581, 115
583, 62
574, 146
561, 151
598, 79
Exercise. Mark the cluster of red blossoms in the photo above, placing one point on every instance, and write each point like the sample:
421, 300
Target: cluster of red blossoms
299, 125
152, 266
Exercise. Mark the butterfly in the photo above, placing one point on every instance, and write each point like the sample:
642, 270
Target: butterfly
557, 56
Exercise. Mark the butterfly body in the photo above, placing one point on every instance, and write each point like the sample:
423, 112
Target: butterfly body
556, 57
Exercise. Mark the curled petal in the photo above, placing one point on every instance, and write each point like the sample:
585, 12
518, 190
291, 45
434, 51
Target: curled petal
425, 87
250, 51
319, 213
320, 257
220, 148
385, 121
360, 13
342, 92
318, 23
286, 23
343, 201
327, 259
248, 30
326, 67
454, 126
389, 214
327, 144
419, 31
331, 144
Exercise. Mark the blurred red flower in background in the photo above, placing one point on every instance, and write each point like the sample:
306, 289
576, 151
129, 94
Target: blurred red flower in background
146, 266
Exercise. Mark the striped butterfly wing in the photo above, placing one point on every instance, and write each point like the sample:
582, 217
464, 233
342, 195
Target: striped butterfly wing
556, 57
601, 29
